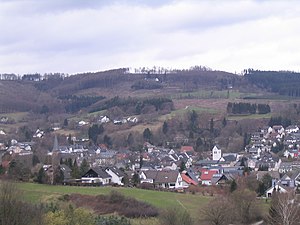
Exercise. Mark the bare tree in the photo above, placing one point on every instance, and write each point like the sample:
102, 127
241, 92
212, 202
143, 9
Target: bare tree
284, 209
246, 206
217, 212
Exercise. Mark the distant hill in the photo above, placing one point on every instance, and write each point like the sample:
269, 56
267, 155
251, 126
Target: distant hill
61, 93
89, 91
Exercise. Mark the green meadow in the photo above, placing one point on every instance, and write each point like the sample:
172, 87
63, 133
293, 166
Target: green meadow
40, 193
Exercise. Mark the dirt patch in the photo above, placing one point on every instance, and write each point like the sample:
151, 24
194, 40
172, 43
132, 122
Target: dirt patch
114, 203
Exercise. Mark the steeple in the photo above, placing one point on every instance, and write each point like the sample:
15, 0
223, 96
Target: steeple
55, 145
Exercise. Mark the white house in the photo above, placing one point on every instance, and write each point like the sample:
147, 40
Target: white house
96, 176
104, 119
116, 175
82, 123
292, 129
278, 188
168, 179
216, 153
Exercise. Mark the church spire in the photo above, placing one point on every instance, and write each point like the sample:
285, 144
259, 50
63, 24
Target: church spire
55, 145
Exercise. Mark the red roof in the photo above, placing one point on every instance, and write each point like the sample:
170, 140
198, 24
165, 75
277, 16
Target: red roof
187, 148
207, 174
188, 179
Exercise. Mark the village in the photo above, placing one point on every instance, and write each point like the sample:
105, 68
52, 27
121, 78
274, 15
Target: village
272, 150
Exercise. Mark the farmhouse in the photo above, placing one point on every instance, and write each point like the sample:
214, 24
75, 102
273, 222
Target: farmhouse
96, 175
162, 179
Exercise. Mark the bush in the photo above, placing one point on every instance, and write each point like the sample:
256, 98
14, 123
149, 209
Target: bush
112, 220
175, 216
115, 197
130, 207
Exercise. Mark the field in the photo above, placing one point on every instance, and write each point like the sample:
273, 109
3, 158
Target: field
37, 193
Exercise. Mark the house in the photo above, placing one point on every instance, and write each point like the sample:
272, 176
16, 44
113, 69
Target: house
291, 153
104, 119
38, 134
148, 176
187, 181
132, 119
66, 172
82, 123
162, 179
278, 129
116, 174
206, 176
292, 129
221, 179
96, 175
168, 179
278, 188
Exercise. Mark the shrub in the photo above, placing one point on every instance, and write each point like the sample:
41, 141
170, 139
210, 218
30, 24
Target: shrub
112, 220
175, 216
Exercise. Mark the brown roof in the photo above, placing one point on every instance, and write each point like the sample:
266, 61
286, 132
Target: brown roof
150, 174
166, 176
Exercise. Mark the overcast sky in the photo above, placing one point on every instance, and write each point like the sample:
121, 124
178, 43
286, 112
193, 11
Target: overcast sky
75, 36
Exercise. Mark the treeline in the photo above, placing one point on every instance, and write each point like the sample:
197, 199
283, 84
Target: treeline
247, 108
281, 82
146, 84
75, 103
285, 122
136, 105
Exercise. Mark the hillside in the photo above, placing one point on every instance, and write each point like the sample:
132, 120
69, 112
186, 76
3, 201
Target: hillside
151, 98
30, 95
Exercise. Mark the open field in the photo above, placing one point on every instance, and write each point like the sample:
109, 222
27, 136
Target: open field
252, 116
193, 203
46, 193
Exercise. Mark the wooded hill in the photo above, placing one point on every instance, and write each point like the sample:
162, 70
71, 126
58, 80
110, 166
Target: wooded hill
93, 91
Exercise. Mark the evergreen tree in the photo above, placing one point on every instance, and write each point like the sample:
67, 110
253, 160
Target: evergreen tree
130, 140
182, 166
224, 122
75, 170
194, 121
66, 123
147, 134
35, 160
70, 141
165, 128
107, 140
58, 176
211, 126
199, 143
233, 186
84, 167
41, 176
135, 179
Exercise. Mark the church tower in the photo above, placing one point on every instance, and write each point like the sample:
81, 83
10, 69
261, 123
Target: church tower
216, 153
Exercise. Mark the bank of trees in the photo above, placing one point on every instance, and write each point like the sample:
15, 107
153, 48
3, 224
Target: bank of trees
281, 82
247, 108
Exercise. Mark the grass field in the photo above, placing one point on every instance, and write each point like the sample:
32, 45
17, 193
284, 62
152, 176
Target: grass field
252, 116
37, 193
17, 117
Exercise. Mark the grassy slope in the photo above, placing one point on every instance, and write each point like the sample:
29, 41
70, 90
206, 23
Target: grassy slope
41, 193
193, 203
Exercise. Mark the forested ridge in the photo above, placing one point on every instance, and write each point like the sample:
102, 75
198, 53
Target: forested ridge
281, 82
